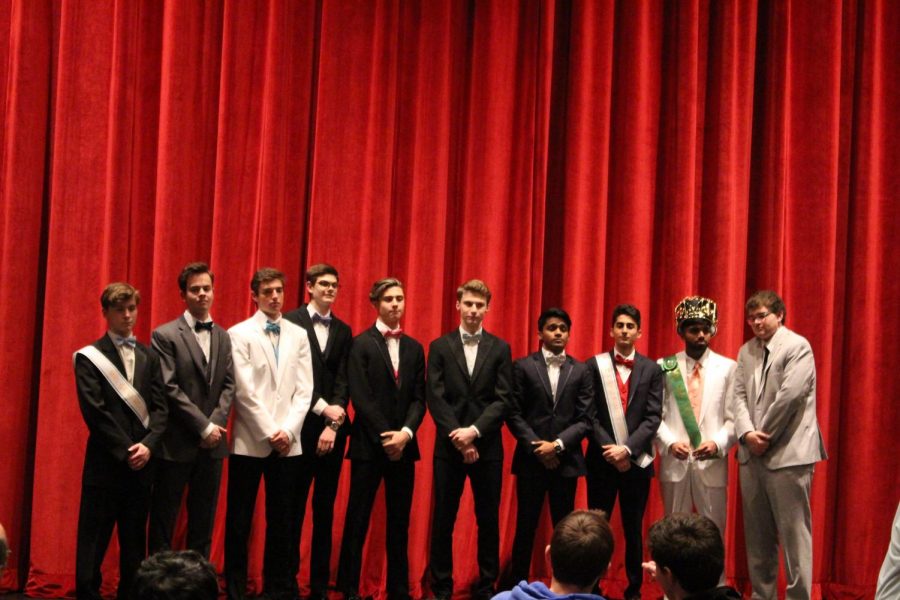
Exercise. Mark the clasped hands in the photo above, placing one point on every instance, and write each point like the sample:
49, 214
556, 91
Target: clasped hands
325, 444
463, 439
546, 453
617, 456
705, 451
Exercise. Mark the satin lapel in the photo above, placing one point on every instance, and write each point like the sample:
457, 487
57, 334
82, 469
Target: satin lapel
215, 339
266, 344
484, 348
564, 371
540, 366
456, 347
140, 365
310, 329
285, 342
193, 347
635, 377
329, 343
381, 344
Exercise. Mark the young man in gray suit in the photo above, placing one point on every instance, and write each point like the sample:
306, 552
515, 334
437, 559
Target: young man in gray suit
195, 356
775, 422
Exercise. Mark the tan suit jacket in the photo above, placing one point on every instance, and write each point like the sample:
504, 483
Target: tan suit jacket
715, 425
779, 401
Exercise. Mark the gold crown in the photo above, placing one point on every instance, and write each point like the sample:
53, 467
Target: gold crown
696, 307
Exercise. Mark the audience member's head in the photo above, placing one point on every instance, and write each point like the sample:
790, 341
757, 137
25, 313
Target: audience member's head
184, 575
4, 548
580, 549
688, 552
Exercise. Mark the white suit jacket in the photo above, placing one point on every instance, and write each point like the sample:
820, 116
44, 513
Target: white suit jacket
780, 400
715, 424
270, 396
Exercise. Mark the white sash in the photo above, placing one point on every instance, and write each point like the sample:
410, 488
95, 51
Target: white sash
130, 396
614, 406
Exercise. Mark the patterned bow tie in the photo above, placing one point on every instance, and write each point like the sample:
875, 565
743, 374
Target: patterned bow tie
201, 326
556, 360
627, 362
393, 333
129, 341
471, 338
273, 328
317, 318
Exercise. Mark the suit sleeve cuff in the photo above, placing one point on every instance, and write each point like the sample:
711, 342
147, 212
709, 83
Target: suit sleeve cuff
207, 430
319, 406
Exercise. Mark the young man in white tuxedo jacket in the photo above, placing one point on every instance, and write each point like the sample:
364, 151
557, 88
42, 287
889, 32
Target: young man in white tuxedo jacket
274, 386
695, 433
780, 442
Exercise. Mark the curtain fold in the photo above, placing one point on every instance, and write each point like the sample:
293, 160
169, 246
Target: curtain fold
568, 152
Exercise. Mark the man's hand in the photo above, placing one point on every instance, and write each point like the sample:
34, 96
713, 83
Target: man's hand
393, 443
214, 438
650, 567
326, 441
680, 450
280, 442
546, 453
614, 454
335, 412
138, 456
757, 442
470, 454
462, 437
706, 450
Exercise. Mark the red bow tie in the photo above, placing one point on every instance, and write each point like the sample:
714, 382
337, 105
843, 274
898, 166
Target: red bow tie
620, 360
395, 333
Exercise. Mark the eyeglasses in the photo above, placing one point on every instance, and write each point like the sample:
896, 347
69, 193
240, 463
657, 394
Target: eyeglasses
328, 284
758, 317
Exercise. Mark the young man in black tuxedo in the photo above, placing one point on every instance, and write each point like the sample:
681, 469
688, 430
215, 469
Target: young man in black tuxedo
468, 394
195, 356
324, 434
628, 390
549, 417
120, 393
387, 389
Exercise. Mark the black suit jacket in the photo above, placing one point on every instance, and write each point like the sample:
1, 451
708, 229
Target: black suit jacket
534, 417
381, 402
642, 417
112, 426
457, 400
196, 395
329, 373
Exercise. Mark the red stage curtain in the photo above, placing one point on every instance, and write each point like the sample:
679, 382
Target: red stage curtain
571, 153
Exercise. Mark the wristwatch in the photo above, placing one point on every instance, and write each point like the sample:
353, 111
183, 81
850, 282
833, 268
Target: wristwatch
332, 425
557, 447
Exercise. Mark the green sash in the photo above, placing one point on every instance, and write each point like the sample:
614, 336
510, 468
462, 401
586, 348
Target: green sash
676, 385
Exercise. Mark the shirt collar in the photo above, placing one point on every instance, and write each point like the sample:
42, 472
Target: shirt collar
629, 357
262, 318
463, 331
191, 321
689, 362
382, 327
547, 354
312, 311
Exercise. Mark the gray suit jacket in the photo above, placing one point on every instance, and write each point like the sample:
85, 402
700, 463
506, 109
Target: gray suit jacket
780, 400
197, 394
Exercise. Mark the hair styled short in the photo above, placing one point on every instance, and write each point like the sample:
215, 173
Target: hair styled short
581, 547
118, 292
554, 313
629, 310
690, 546
766, 299
381, 286
191, 269
168, 575
474, 286
265, 275
318, 270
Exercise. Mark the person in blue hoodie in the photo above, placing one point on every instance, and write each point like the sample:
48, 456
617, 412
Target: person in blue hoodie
579, 554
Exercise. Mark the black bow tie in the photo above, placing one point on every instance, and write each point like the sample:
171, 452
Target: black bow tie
202, 326
317, 318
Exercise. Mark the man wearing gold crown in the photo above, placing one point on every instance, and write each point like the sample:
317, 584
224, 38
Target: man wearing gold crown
695, 434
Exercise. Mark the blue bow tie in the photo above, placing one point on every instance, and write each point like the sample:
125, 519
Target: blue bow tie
129, 341
273, 328
317, 318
